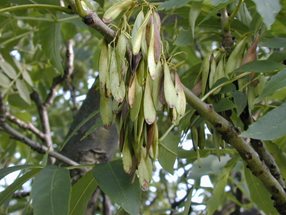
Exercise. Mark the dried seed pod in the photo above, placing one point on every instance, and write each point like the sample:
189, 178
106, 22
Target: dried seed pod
157, 37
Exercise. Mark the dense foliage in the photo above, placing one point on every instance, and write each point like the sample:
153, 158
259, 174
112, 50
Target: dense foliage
132, 106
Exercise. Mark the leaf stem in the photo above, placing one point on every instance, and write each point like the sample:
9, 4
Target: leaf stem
35, 6
233, 14
224, 84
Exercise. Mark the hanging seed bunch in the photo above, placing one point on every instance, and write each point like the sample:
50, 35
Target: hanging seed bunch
136, 81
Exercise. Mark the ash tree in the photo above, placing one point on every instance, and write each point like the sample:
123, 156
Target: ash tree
129, 107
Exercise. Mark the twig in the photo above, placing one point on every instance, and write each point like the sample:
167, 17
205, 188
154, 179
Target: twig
106, 205
28, 126
42, 109
65, 77
238, 195
52, 92
34, 145
69, 70
248, 154
43, 106
20, 195
91, 209
227, 40
179, 202
27, 141
35, 6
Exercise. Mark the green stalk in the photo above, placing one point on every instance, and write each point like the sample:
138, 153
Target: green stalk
35, 6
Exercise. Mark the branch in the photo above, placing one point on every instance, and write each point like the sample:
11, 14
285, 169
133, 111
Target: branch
34, 145
65, 77
268, 160
179, 202
28, 126
27, 141
69, 70
42, 109
230, 135
95, 22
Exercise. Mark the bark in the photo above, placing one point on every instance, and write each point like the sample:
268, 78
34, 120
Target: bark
101, 144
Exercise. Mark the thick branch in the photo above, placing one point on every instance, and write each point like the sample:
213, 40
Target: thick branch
249, 155
95, 22
268, 160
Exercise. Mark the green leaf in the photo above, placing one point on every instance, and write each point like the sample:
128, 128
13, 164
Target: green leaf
261, 66
78, 127
23, 90
275, 42
192, 155
244, 15
8, 170
218, 194
8, 192
118, 185
276, 82
81, 193
184, 38
50, 38
223, 104
258, 193
193, 15
7, 68
268, 9
26, 76
4, 81
168, 149
210, 165
240, 101
172, 4
271, 126
216, 2
51, 191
